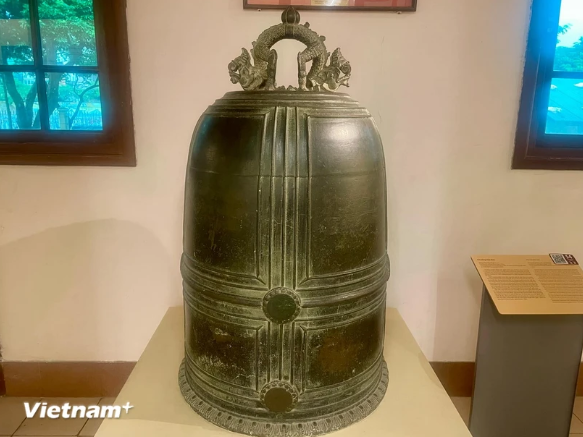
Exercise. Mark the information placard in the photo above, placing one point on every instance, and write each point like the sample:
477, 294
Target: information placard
532, 284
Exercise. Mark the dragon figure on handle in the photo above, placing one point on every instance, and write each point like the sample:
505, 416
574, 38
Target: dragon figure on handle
260, 75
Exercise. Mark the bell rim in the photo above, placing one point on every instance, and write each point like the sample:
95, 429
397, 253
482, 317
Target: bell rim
261, 427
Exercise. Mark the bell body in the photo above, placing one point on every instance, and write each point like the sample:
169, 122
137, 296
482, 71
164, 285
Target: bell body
285, 264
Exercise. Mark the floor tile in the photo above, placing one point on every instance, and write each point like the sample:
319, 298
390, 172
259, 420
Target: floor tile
90, 428
576, 425
463, 406
578, 408
56, 427
71, 379
92, 425
12, 413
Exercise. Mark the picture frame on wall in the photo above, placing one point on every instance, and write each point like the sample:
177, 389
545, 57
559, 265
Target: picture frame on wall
338, 5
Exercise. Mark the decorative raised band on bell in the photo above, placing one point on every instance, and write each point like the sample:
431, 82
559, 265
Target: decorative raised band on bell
285, 250
281, 305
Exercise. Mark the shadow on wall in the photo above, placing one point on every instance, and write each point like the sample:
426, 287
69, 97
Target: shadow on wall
86, 291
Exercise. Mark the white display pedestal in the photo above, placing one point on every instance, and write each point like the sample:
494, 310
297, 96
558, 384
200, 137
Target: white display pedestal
416, 405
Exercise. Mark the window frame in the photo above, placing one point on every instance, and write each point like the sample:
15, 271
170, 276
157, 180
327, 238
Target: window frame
534, 149
115, 144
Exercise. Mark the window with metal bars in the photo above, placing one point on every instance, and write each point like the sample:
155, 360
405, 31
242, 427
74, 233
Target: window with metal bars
64, 83
550, 121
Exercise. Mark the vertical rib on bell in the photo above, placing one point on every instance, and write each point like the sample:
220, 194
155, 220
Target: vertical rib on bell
285, 259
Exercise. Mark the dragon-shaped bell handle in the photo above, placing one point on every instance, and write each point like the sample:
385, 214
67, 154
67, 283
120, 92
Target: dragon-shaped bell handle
260, 76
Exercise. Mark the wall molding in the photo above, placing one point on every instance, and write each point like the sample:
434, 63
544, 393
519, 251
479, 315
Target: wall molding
106, 379
64, 379
457, 377
2, 383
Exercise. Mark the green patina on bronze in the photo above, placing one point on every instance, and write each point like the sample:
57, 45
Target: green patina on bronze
285, 263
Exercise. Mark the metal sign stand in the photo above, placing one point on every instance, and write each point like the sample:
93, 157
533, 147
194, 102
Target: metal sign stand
526, 373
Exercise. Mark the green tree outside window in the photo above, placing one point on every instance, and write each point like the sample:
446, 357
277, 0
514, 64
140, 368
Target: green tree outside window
67, 39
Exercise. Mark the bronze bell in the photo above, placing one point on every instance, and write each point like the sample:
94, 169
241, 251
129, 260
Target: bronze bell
285, 263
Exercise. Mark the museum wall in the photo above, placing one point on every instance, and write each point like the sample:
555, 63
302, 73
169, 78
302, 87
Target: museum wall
89, 257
